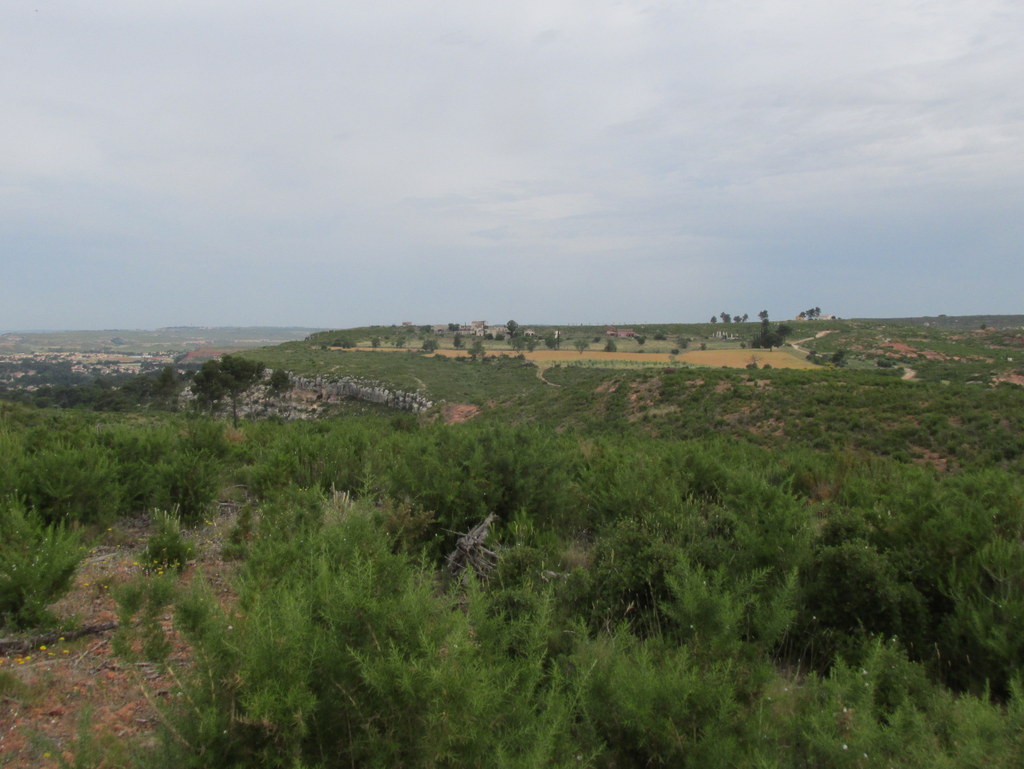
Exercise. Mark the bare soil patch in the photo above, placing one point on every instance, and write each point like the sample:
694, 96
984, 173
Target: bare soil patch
48, 691
1016, 379
931, 458
642, 396
459, 412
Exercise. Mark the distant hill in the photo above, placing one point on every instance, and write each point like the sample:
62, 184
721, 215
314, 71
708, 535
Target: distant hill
173, 339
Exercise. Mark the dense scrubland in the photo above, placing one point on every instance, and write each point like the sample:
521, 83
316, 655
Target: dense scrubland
686, 567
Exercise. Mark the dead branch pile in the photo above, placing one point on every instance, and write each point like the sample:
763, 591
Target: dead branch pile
471, 551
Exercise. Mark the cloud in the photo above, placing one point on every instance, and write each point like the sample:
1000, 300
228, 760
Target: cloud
705, 139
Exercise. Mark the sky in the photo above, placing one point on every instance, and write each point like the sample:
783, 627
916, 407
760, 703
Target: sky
337, 163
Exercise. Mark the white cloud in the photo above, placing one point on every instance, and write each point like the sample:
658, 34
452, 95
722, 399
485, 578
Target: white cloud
417, 134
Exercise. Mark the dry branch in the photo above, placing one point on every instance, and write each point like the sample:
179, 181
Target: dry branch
23, 645
471, 551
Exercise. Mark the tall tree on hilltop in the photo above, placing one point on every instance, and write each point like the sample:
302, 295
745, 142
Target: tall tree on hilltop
767, 336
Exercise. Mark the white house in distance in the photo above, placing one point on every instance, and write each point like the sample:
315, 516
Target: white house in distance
480, 328
476, 328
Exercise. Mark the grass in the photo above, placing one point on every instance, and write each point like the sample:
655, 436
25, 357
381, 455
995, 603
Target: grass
442, 378
14, 689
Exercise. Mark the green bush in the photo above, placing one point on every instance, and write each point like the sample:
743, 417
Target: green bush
142, 604
139, 451
851, 592
718, 613
650, 704
982, 639
69, 482
166, 548
350, 657
37, 564
322, 455
11, 457
188, 483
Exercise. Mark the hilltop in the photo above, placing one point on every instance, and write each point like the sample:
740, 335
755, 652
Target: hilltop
424, 359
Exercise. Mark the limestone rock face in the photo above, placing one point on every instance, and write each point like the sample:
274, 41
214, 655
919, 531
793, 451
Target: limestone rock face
308, 396
334, 390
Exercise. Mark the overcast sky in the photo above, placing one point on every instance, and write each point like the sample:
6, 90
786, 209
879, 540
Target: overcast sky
553, 161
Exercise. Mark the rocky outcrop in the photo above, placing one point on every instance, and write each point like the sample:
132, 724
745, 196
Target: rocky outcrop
324, 390
310, 396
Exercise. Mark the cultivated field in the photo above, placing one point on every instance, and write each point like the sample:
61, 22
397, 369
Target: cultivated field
785, 358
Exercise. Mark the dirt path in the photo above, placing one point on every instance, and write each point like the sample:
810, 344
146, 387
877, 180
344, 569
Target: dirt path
909, 373
795, 344
541, 377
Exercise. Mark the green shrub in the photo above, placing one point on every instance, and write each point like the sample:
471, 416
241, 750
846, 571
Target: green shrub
68, 482
850, 592
350, 657
166, 548
140, 451
11, 458
241, 534
627, 581
322, 455
982, 640
206, 435
37, 564
142, 604
189, 482
650, 704
884, 711
716, 612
